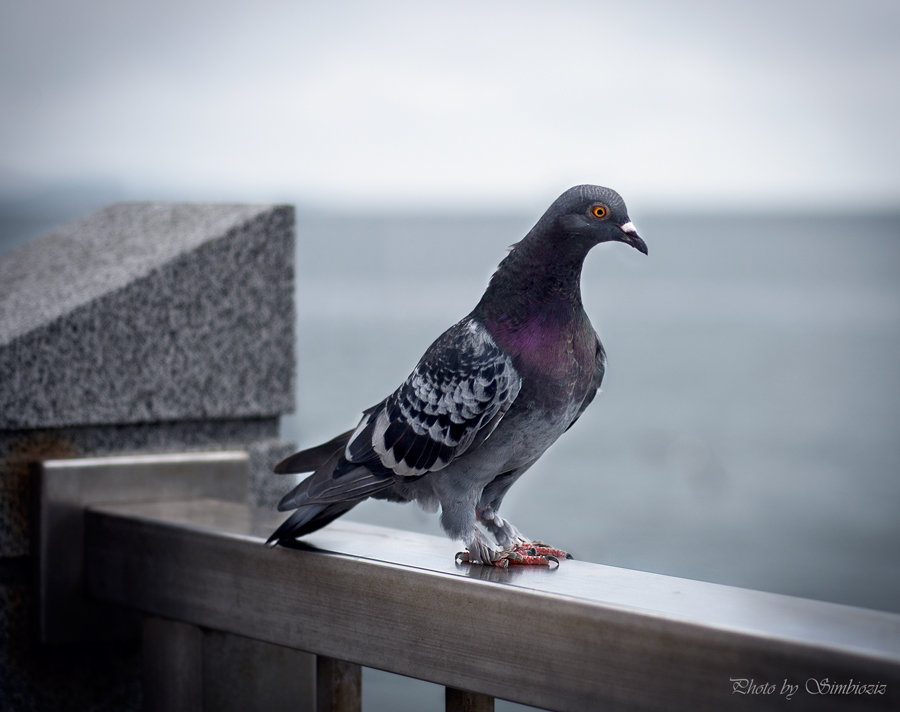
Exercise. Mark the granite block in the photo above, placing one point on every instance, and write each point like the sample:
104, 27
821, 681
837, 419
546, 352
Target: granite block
147, 313
267, 488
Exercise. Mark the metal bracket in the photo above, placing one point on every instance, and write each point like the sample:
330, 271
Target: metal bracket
67, 487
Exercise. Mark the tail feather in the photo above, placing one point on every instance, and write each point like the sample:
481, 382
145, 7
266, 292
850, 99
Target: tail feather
301, 495
310, 518
314, 457
335, 487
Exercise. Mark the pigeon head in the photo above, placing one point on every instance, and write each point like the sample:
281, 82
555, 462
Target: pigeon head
544, 267
587, 215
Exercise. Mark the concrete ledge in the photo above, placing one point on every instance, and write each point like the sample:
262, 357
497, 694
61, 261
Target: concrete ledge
147, 313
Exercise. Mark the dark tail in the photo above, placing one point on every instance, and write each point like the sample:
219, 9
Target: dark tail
334, 488
309, 518
314, 457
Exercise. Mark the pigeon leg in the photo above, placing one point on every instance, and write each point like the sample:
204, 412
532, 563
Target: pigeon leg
480, 552
512, 539
503, 531
505, 559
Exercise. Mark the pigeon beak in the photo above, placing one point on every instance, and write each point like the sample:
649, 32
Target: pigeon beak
630, 237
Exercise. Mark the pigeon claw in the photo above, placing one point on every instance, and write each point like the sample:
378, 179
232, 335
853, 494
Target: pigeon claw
538, 548
535, 560
511, 557
464, 557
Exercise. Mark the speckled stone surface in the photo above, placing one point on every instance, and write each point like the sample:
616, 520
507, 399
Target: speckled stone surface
145, 327
147, 313
265, 488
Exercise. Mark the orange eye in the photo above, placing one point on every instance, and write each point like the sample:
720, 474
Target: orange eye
599, 211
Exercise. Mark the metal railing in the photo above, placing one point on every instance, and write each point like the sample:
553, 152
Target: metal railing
581, 637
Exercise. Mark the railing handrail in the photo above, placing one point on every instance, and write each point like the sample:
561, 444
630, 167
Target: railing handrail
583, 636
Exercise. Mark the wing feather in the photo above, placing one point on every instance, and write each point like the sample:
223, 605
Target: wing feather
452, 401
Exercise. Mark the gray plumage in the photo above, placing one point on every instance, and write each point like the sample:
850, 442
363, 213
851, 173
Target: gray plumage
487, 398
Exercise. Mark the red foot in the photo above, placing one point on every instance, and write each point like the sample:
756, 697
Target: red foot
534, 560
539, 549
515, 558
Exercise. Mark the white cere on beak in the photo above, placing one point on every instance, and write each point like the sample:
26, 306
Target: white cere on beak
628, 228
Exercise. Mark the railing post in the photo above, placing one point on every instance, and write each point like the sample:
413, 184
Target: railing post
463, 701
338, 685
191, 668
172, 666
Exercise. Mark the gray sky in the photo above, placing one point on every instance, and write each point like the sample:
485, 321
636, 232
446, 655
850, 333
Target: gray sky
420, 104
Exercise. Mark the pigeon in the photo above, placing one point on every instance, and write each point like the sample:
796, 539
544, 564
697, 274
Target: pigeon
485, 401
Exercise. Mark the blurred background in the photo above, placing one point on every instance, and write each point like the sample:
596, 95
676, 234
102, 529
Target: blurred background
748, 429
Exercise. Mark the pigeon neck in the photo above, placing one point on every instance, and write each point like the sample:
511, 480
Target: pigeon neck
534, 278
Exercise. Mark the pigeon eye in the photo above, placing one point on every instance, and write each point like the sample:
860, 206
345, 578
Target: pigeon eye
599, 211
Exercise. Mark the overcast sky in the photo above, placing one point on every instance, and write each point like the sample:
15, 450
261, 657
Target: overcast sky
491, 103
